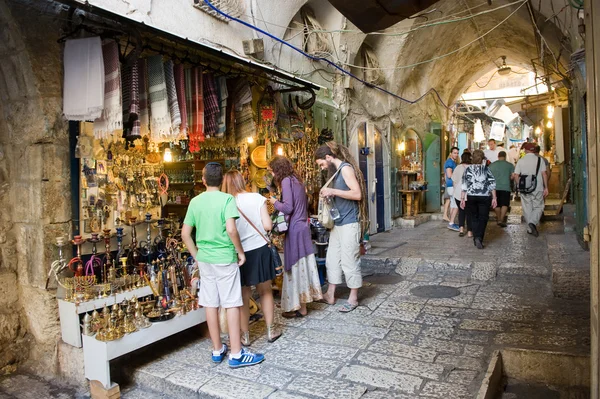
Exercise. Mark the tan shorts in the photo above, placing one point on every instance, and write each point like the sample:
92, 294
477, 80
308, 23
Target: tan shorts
343, 255
220, 285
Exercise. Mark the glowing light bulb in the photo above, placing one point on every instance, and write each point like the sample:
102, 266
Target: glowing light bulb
550, 108
280, 151
549, 125
402, 146
168, 157
250, 139
538, 131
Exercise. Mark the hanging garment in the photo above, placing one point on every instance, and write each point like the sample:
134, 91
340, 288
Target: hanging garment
181, 96
131, 102
172, 97
223, 94
187, 79
83, 98
241, 93
196, 131
211, 105
144, 112
160, 120
111, 119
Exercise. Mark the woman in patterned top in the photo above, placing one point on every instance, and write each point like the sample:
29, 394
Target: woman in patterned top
478, 187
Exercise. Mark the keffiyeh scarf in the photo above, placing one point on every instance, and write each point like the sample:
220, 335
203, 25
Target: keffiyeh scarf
160, 121
111, 119
211, 105
181, 96
172, 97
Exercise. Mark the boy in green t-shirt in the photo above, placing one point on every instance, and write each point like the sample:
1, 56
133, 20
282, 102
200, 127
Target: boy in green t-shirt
213, 214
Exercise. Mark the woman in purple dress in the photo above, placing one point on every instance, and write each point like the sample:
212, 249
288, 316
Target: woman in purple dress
301, 283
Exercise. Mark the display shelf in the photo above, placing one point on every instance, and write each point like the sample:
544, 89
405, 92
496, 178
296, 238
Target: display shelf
69, 312
173, 204
97, 354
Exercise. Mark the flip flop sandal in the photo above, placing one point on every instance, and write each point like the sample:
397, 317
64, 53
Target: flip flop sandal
461, 234
292, 315
347, 307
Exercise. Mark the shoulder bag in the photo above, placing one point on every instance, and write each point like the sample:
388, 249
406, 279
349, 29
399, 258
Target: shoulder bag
275, 258
325, 206
525, 188
280, 220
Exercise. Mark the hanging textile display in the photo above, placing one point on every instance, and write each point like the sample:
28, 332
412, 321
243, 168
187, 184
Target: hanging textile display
144, 113
172, 97
283, 121
187, 80
160, 118
223, 94
266, 116
211, 105
111, 118
181, 97
83, 97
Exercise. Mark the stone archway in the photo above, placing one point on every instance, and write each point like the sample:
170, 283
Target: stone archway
34, 181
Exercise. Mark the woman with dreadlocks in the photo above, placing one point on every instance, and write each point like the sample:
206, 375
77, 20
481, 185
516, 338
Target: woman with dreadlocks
348, 193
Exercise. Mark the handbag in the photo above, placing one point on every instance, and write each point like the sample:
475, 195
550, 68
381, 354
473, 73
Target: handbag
275, 258
524, 187
280, 220
325, 205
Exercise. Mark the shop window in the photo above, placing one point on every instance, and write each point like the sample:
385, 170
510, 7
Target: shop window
230, 7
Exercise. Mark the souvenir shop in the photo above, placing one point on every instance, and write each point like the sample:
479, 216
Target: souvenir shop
146, 114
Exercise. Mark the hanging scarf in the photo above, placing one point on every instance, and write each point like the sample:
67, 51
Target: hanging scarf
144, 115
160, 121
223, 94
187, 78
83, 98
181, 96
172, 97
211, 105
131, 102
196, 134
112, 115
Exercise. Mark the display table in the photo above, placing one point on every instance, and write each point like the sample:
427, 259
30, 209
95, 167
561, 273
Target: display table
97, 354
413, 201
69, 312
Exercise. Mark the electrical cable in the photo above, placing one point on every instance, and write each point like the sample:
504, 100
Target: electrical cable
342, 70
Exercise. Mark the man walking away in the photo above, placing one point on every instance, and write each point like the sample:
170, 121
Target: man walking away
502, 171
532, 182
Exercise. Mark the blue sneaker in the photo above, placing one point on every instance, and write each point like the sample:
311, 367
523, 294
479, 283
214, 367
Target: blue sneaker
453, 227
219, 358
247, 358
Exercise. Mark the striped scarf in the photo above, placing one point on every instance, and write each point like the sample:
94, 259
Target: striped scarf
111, 119
172, 96
223, 94
131, 102
197, 128
211, 105
144, 114
160, 121
181, 96
187, 78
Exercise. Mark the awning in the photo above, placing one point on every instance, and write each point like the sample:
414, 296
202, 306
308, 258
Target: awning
207, 52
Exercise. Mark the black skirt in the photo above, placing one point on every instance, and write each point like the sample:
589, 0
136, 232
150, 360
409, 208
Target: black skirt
258, 267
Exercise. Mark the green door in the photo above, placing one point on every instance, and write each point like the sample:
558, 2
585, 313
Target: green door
433, 172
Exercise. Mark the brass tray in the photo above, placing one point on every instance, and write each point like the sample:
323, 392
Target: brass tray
259, 157
259, 178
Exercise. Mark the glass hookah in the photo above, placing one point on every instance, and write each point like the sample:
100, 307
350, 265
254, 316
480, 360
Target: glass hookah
94, 261
58, 265
134, 252
146, 246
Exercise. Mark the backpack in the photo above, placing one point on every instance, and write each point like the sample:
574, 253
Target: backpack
528, 183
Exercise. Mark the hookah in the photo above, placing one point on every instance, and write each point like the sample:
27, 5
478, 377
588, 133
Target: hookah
58, 265
120, 236
134, 252
75, 264
146, 246
108, 265
159, 240
82, 283
94, 259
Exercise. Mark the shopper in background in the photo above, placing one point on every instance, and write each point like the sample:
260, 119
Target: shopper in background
502, 171
343, 252
513, 154
532, 203
457, 176
491, 154
258, 270
478, 193
213, 214
301, 283
449, 166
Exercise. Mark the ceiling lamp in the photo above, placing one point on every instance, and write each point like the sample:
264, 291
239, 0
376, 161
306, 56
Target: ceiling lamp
504, 69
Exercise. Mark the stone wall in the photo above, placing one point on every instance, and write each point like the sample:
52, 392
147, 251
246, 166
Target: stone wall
34, 181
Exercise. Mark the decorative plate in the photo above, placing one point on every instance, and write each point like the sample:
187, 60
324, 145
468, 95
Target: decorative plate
259, 157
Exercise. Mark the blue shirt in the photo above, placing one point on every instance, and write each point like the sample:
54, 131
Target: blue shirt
449, 164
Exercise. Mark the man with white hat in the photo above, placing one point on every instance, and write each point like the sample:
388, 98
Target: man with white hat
531, 179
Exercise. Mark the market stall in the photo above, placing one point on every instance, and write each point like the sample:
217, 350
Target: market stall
145, 121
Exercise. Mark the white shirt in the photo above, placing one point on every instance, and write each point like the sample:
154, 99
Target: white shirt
527, 166
492, 155
250, 204
513, 155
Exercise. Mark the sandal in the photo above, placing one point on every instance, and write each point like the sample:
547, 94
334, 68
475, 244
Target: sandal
347, 307
461, 234
292, 315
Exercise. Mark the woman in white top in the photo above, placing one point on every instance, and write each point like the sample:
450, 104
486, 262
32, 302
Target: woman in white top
457, 176
258, 270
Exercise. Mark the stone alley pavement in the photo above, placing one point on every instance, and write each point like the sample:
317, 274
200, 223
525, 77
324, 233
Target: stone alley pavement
399, 343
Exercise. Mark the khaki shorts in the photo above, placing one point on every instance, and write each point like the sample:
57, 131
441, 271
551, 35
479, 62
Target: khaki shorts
343, 255
220, 285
